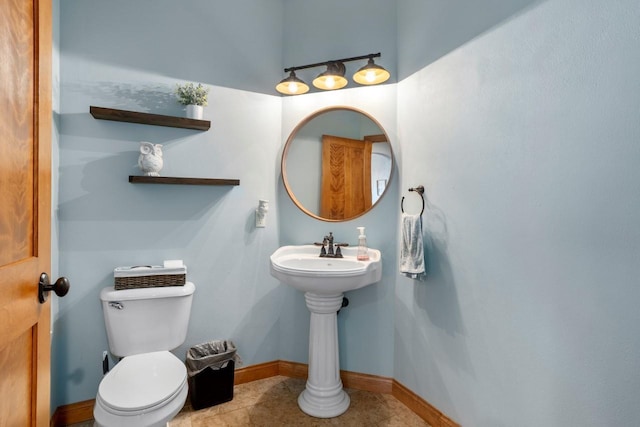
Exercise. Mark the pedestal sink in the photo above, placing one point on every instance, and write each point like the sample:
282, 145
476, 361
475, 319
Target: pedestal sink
324, 280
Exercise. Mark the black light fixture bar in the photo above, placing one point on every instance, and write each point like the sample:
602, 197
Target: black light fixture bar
320, 64
333, 78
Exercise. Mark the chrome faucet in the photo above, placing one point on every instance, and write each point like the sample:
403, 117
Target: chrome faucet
329, 249
329, 240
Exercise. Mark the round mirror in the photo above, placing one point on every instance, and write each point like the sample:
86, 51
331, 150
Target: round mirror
337, 164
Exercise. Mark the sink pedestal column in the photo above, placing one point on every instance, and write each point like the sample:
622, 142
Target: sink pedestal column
323, 396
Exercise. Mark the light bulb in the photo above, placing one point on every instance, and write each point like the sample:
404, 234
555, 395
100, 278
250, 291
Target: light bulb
330, 82
293, 87
371, 76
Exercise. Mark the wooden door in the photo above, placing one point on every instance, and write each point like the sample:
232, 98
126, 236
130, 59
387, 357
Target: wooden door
25, 190
346, 177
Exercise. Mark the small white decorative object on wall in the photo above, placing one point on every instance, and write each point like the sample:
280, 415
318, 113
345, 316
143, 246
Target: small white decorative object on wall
150, 159
261, 213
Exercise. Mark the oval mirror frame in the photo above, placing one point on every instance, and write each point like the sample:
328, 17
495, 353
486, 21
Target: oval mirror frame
292, 138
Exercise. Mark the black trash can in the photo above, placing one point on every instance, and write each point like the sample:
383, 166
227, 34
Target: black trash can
210, 372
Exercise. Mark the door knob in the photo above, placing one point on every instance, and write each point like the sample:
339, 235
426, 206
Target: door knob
61, 287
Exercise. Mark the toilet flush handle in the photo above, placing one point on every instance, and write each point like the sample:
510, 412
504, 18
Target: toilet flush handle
117, 305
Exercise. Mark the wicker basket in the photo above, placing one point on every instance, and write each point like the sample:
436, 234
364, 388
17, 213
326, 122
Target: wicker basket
148, 277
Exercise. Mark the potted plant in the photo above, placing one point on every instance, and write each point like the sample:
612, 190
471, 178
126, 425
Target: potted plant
194, 97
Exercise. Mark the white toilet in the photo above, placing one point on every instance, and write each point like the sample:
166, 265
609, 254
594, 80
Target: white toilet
148, 387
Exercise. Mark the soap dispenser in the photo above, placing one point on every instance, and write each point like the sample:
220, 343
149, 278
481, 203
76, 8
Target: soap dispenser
363, 252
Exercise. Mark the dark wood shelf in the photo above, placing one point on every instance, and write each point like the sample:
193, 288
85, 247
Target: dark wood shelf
181, 181
148, 118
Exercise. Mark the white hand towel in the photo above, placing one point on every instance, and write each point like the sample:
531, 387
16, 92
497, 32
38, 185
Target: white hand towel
411, 247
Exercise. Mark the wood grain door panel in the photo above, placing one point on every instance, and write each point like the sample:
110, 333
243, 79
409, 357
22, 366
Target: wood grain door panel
346, 177
25, 210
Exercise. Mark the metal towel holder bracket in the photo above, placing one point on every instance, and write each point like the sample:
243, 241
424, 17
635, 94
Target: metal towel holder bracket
420, 190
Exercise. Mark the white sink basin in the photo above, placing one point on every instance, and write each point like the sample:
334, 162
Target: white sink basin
303, 268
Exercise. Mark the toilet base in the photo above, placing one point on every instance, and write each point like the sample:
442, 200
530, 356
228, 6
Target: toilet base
158, 417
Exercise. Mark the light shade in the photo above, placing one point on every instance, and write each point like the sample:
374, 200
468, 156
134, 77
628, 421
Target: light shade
292, 85
333, 78
371, 74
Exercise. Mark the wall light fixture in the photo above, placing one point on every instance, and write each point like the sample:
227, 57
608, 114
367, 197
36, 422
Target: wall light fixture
333, 78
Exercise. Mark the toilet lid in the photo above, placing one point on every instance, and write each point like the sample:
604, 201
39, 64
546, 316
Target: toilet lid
142, 381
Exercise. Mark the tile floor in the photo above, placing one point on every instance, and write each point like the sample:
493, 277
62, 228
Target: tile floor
272, 402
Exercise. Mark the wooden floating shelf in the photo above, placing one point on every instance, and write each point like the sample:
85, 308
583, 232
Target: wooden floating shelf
148, 118
181, 181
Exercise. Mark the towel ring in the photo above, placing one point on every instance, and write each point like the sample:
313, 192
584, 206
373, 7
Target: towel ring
420, 190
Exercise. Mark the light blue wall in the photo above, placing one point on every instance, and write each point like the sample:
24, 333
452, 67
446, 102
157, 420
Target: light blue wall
429, 29
55, 163
526, 139
130, 55
236, 44
104, 221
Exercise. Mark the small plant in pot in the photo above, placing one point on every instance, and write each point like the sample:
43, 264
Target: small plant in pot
194, 97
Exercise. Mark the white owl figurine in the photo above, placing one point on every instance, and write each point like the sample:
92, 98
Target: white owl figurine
150, 160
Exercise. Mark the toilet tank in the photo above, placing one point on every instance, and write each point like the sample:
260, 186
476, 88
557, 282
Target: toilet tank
146, 319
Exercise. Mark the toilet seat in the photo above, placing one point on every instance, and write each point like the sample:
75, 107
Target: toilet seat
142, 382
